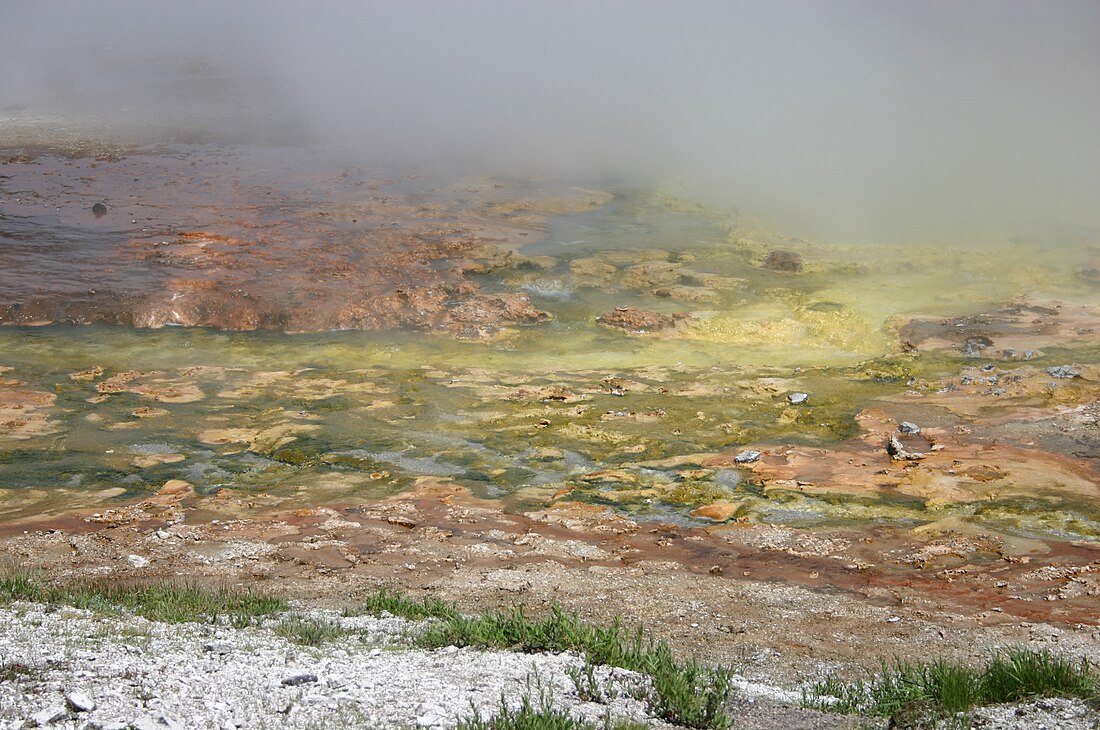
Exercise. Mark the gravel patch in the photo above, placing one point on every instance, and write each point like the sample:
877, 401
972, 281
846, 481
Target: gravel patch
68, 668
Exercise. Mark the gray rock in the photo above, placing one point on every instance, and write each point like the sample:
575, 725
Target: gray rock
297, 679
908, 427
796, 398
219, 648
1063, 371
974, 345
747, 457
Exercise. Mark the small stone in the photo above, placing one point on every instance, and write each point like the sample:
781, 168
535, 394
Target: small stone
717, 511
159, 722
785, 261
297, 679
220, 648
49, 716
974, 345
176, 488
640, 321
99, 210
747, 457
796, 398
137, 561
79, 702
909, 427
430, 715
1063, 371
898, 452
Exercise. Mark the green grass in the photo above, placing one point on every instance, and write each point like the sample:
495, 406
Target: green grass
689, 694
165, 601
385, 601
1021, 674
543, 716
941, 689
308, 631
13, 671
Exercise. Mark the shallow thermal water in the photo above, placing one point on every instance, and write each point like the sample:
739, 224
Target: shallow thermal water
565, 408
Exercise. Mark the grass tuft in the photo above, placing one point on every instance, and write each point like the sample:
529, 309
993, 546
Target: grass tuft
13, 671
543, 716
1020, 674
385, 601
941, 689
687, 694
308, 631
166, 601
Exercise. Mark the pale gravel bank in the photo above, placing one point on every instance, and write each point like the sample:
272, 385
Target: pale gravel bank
130, 672
72, 669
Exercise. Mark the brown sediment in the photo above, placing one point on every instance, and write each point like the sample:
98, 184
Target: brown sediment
203, 239
1016, 332
805, 592
24, 413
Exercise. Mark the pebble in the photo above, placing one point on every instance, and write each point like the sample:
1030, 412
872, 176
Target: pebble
430, 715
295, 680
1063, 371
796, 398
155, 722
908, 427
49, 716
79, 702
747, 457
137, 561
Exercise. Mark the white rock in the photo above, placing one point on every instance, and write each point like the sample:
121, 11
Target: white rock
80, 702
430, 715
137, 561
49, 716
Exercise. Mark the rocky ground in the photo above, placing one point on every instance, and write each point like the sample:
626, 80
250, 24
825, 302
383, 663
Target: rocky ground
782, 607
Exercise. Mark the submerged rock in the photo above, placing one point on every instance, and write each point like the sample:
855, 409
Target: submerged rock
784, 261
797, 398
699, 294
717, 511
483, 316
640, 321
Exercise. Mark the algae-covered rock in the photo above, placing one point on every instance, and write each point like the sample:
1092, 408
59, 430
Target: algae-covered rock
717, 511
784, 261
695, 294
650, 274
640, 321
483, 316
592, 270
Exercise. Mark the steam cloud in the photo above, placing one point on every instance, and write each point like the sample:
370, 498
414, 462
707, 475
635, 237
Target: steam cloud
848, 119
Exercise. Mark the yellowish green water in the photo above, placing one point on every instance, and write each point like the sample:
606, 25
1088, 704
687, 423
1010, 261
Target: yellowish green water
299, 419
